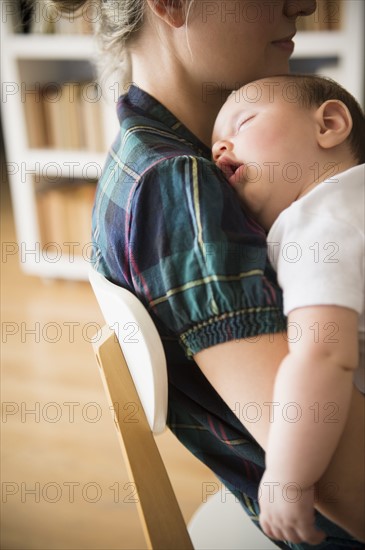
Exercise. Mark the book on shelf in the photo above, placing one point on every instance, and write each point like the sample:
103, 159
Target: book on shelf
64, 213
52, 113
42, 17
35, 120
66, 116
327, 17
91, 117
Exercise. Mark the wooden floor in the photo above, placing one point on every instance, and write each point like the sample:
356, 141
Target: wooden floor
64, 484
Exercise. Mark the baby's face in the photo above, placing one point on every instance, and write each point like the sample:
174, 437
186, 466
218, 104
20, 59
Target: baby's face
265, 143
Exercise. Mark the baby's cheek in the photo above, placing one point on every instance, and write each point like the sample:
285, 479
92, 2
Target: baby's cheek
253, 173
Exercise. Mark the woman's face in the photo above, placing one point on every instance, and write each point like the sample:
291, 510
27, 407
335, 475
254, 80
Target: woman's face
236, 41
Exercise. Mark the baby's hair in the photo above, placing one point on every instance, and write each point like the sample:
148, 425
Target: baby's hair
315, 90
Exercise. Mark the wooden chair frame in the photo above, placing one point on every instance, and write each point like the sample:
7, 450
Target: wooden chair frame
163, 524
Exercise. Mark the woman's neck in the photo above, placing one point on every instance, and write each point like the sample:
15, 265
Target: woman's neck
195, 104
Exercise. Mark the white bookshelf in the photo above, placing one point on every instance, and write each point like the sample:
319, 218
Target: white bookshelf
27, 59
30, 60
347, 45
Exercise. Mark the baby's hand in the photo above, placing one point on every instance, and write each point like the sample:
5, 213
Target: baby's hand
287, 512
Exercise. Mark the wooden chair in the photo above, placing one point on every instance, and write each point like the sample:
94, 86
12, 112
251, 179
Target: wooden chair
132, 364
135, 380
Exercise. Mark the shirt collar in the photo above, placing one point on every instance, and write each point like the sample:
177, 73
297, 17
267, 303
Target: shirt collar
151, 107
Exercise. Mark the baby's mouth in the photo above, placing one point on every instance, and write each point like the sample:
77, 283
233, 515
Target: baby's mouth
231, 170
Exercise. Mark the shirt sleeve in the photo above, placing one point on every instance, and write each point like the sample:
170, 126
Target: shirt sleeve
196, 260
319, 260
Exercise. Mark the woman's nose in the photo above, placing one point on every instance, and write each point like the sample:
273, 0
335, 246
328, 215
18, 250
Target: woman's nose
295, 8
220, 147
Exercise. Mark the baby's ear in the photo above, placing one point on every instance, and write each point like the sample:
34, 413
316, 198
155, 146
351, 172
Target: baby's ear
334, 123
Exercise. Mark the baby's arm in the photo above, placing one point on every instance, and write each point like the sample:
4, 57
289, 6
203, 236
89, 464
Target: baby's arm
313, 388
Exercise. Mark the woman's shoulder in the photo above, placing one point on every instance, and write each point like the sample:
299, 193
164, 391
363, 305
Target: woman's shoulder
147, 153
151, 135
154, 156
144, 147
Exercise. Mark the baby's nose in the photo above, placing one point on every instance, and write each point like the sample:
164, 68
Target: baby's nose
219, 147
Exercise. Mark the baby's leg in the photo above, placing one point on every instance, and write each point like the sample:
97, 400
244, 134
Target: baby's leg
340, 491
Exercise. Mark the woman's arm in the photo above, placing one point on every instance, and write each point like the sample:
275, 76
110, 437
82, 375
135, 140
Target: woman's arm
243, 372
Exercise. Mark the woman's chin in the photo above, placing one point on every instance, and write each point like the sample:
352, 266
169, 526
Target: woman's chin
278, 67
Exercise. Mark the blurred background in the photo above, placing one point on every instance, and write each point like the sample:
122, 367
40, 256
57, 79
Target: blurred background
64, 483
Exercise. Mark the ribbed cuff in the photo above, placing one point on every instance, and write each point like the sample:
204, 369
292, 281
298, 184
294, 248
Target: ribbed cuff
245, 323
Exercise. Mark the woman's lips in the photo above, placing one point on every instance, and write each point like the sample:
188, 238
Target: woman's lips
286, 44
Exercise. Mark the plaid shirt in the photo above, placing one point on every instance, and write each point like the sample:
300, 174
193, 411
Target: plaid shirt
168, 227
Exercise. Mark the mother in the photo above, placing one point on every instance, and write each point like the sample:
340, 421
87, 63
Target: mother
167, 226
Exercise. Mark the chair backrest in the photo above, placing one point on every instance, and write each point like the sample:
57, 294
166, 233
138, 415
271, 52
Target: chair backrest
133, 370
140, 343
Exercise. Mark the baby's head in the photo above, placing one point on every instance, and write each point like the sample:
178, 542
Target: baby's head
278, 137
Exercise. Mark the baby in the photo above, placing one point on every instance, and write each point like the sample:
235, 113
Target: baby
292, 147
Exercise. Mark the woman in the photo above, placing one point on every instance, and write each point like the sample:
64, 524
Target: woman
167, 226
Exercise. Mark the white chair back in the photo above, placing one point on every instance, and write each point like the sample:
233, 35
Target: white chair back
140, 343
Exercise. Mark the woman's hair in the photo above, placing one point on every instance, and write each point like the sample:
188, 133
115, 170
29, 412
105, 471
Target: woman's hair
116, 26
116, 23
313, 90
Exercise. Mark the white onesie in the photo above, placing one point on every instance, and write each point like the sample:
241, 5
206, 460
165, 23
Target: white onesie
317, 248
